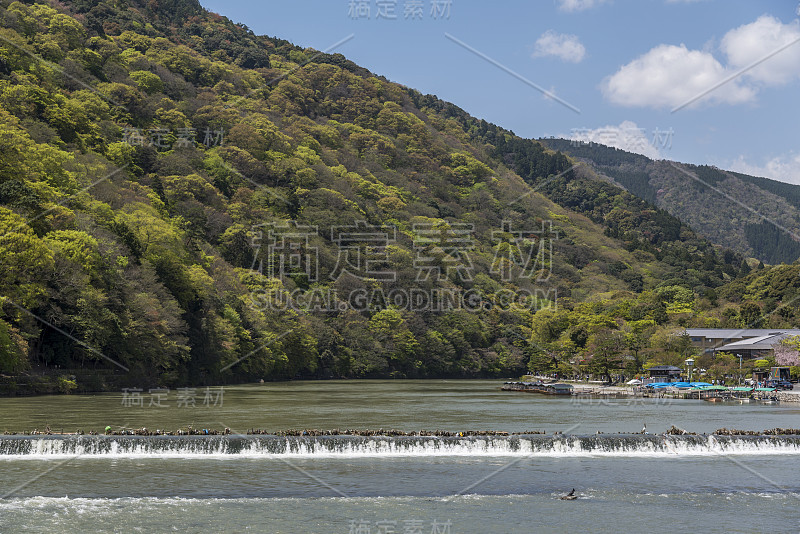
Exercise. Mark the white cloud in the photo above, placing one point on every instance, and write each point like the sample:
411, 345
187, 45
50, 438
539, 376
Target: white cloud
578, 5
782, 168
627, 136
751, 42
669, 76
563, 46
550, 94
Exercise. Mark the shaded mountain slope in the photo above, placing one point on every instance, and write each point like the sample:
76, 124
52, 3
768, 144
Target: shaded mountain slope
755, 216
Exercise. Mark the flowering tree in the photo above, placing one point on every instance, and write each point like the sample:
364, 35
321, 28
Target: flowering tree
786, 352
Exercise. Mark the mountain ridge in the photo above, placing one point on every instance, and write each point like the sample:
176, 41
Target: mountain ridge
755, 216
130, 244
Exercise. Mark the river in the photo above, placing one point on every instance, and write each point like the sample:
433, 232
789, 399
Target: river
369, 485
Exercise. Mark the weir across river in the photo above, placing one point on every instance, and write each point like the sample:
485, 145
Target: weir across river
403, 446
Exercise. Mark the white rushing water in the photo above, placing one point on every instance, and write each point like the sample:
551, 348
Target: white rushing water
388, 447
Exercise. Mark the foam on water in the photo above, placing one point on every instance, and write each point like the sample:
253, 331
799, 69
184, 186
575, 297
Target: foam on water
238, 447
97, 504
596, 511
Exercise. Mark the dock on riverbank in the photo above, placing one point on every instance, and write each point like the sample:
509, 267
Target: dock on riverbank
594, 391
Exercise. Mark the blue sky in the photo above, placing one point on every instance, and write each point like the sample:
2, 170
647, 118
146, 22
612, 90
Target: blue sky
625, 64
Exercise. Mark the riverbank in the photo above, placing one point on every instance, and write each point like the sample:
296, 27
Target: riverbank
598, 390
59, 382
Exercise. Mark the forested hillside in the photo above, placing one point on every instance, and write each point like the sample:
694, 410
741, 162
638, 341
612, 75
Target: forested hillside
184, 202
755, 216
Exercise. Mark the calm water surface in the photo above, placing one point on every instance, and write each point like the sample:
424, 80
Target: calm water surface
408, 405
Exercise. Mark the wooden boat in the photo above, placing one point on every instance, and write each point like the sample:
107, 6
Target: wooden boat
538, 387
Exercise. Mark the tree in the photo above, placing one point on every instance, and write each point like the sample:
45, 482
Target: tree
548, 324
750, 315
680, 344
605, 348
744, 269
25, 261
542, 358
147, 81
725, 364
13, 350
399, 343
637, 338
786, 351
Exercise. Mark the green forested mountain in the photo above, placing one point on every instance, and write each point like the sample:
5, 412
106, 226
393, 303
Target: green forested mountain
184, 202
755, 216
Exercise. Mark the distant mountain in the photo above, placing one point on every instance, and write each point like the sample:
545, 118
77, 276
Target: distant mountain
755, 216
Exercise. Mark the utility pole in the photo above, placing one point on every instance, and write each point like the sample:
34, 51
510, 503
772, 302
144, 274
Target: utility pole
740, 369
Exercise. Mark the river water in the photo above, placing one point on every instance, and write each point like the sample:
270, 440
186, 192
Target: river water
368, 485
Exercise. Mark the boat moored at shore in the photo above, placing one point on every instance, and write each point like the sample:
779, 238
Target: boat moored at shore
538, 387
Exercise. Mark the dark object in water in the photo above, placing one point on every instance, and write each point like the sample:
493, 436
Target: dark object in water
538, 387
569, 496
675, 431
772, 432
